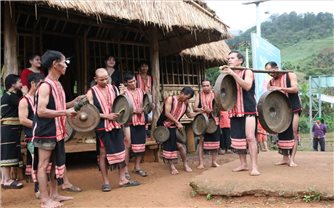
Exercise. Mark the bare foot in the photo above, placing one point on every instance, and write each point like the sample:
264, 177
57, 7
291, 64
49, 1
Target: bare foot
200, 166
240, 168
292, 164
283, 162
174, 171
255, 173
37, 194
50, 204
60, 198
215, 164
187, 168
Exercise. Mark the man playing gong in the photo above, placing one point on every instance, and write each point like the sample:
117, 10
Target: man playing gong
287, 140
109, 135
243, 114
173, 110
135, 130
49, 128
210, 143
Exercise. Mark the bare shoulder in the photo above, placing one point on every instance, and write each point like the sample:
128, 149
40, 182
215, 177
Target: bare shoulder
44, 87
23, 102
169, 99
292, 76
248, 72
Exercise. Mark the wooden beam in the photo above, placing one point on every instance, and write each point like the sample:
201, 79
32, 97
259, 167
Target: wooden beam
10, 33
154, 50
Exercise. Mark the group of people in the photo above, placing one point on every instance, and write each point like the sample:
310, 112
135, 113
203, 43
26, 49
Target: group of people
243, 116
43, 110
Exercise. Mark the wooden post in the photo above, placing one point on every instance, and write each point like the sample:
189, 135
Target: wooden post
191, 146
10, 56
154, 50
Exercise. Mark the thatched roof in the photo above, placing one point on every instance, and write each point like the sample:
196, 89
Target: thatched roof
214, 51
164, 13
179, 24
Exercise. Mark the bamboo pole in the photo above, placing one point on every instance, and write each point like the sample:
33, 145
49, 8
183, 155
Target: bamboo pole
256, 70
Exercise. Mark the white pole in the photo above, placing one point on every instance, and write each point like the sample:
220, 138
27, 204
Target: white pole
247, 59
310, 105
319, 104
258, 19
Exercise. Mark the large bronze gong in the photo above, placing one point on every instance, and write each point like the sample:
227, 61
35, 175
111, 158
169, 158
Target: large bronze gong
200, 124
147, 103
212, 126
87, 118
181, 136
161, 134
225, 91
69, 131
275, 113
215, 109
124, 107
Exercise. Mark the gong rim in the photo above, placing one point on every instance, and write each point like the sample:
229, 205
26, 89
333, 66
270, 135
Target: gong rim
147, 103
123, 102
161, 134
225, 90
181, 136
69, 130
212, 126
215, 109
200, 124
91, 116
275, 113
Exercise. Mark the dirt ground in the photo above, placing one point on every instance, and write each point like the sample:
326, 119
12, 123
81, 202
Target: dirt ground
159, 189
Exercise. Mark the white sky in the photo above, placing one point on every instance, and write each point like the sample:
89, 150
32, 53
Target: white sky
242, 17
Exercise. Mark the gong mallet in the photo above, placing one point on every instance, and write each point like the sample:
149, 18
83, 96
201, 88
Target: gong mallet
121, 111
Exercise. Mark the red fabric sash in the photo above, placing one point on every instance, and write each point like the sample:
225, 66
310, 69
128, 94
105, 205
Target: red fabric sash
224, 120
206, 101
137, 119
177, 112
144, 85
60, 103
106, 105
282, 82
238, 110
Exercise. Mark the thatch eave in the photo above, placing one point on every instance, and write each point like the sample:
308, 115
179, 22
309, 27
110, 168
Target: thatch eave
214, 51
165, 14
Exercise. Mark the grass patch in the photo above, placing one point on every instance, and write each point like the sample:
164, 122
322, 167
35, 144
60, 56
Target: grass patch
312, 195
305, 49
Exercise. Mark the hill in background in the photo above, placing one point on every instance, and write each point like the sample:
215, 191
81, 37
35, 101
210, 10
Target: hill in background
306, 41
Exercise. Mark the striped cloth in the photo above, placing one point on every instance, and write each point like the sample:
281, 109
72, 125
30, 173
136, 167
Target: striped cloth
106, 105
58, 94
144, 85
137, 100
177, 111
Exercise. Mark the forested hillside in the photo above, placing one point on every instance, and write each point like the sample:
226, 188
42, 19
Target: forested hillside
306, 41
